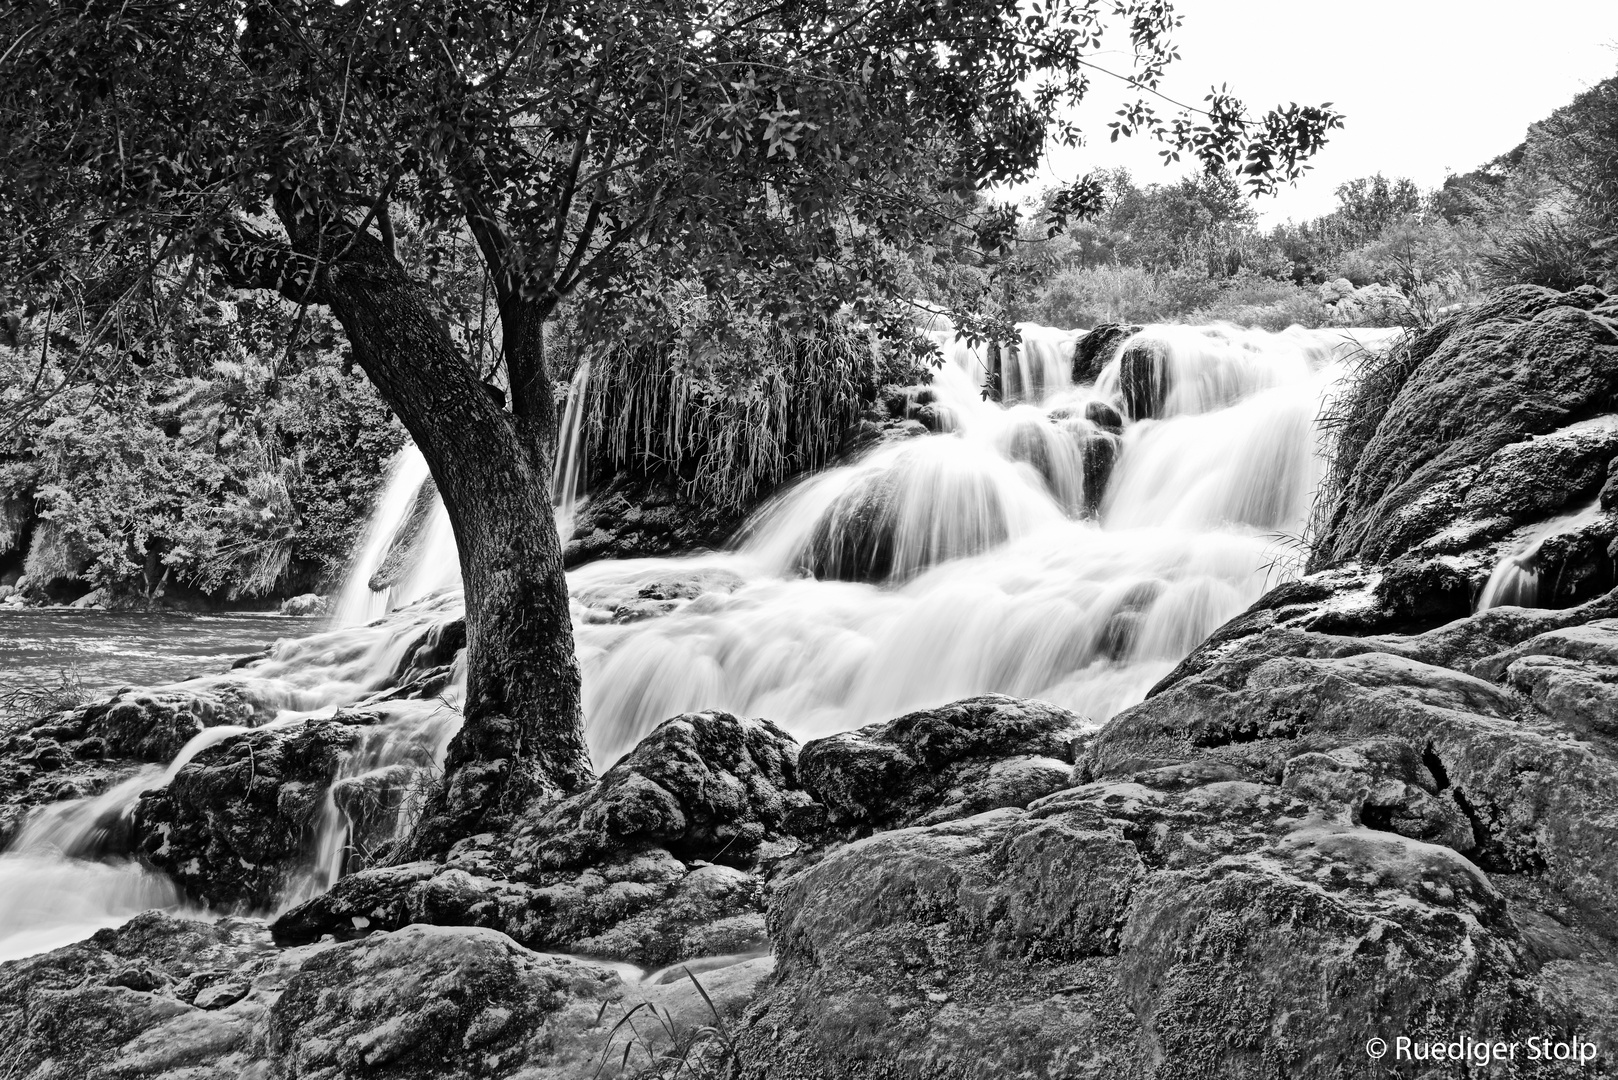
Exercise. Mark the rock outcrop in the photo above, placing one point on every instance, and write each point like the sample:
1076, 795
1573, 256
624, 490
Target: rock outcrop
86, 750
635, 517
169, 999
1463, 439
660, 860
1267, 864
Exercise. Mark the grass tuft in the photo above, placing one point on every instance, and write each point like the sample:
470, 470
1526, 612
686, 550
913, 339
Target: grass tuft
23, 705
732, 414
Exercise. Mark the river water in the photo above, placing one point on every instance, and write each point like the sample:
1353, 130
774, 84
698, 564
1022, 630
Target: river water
994, 556
102, 650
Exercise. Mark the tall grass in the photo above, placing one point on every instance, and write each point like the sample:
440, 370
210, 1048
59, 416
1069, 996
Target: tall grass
733, 418
24, 704
1347, 424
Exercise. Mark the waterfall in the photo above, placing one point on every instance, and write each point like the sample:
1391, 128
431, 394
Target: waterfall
1515, 578
408, 549
1070, 543
68, 874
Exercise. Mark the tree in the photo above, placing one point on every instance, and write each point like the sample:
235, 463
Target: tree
1370, 204
770, 152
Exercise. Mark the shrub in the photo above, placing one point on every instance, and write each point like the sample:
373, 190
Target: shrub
1556, 250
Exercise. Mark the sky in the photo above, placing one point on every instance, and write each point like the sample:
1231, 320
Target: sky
1428, 87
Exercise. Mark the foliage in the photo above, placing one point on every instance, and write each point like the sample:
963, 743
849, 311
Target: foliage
733, 407
669, 1050
594, 149
1549, 207
223, 460
1556, 250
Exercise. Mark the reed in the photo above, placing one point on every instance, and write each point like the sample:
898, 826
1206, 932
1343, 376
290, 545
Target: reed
24, 704
731, 416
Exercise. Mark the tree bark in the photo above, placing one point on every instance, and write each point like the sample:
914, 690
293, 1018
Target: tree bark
523, 736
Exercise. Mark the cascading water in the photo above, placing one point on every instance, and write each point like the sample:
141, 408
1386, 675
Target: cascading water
408, 549
1515, 579
948, 565
1071, 544
66, 873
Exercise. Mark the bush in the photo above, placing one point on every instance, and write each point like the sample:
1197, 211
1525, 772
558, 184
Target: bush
1126, 294
1556, 250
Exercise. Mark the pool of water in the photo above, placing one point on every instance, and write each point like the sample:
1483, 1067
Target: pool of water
106, 650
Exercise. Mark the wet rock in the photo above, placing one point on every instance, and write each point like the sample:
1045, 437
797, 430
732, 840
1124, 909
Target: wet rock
1104, 416
871, 532
658, 861
1096, 349
305, 604
236, 821
938, 764
1144, 378
1468, 436
936, 418
653, 594
854, 539
634, 517
1100, 453
404, 548
148, 725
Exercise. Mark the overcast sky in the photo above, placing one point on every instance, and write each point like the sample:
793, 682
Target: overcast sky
1427, 86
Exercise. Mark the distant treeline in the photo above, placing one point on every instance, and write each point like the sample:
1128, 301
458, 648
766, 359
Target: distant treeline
1545, 213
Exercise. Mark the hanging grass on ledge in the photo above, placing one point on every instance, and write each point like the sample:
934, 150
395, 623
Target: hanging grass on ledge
731, 413
1349, 421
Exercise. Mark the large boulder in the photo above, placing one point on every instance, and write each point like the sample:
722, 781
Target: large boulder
659, 860
934, 765
170, 999
1096, 349
1144, 377
1469, 427
237, 822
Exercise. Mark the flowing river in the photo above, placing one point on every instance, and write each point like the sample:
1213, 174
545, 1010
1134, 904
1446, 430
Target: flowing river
1045, 547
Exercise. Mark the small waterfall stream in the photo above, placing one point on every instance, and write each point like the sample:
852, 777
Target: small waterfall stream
1050, 546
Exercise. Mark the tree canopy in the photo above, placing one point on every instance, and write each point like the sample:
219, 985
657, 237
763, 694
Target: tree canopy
596, 150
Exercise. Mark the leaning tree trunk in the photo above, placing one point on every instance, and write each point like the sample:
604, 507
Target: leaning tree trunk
523, 736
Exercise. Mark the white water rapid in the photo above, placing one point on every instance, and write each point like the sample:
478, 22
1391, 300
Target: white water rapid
1041, 548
